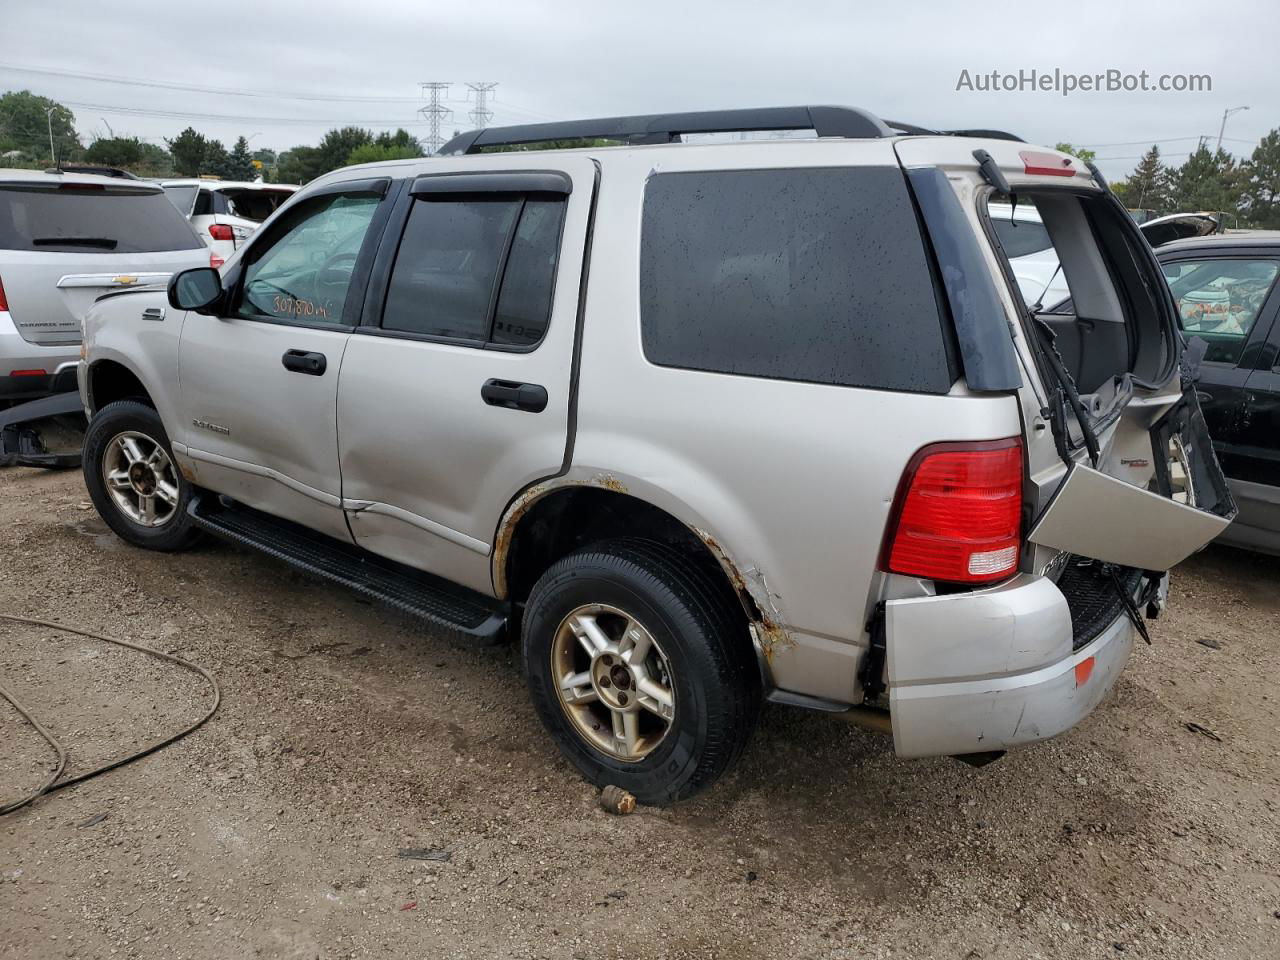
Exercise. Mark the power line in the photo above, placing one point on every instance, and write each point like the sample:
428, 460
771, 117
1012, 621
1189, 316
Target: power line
435, 111
185, 115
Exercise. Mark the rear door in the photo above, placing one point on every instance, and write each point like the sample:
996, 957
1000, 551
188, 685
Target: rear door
259, 384
455, 391
1120, 460
114, 233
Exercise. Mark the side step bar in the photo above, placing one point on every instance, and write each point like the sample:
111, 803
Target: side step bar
431, 598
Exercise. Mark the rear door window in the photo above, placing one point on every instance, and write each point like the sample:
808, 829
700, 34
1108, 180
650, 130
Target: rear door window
1220, 300
74, 218
817, 275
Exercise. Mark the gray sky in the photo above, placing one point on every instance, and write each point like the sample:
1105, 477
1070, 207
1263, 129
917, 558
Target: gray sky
561, 60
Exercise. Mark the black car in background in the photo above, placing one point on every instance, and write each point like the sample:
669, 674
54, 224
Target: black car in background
1225, 288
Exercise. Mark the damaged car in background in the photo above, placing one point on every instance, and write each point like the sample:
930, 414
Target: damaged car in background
702, 424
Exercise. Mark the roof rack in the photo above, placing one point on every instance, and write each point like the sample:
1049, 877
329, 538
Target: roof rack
848, 122
845, 122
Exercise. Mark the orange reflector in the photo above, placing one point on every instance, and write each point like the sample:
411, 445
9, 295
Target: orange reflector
1083, 671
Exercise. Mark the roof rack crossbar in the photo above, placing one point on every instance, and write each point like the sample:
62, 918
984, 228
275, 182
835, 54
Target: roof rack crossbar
847, 122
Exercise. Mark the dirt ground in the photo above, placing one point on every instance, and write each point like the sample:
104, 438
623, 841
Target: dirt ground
348, 733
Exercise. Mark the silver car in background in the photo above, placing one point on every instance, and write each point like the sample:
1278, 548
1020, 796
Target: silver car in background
65, 239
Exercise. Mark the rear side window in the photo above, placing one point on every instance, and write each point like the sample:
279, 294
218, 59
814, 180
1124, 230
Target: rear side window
818, 275
478, 269
79, 219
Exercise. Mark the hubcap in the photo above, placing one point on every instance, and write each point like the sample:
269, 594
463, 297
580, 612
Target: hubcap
140, 478
614, 681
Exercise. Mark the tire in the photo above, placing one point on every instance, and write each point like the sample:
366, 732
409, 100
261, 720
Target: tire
703, 658
104, 451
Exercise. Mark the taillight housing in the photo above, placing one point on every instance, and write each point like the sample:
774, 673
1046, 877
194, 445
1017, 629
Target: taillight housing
958, 513
221, 231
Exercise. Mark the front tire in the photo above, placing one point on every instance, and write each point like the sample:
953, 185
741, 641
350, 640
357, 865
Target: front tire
133, 479
641, 668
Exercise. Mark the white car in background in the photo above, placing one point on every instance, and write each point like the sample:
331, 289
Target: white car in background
1035, 262
224, 212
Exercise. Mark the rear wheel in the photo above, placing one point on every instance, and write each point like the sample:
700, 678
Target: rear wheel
641, 668
133, 480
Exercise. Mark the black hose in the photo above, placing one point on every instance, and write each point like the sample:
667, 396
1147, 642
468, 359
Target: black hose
53, 782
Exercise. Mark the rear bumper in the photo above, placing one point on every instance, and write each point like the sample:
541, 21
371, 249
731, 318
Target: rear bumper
994, 669
57, 361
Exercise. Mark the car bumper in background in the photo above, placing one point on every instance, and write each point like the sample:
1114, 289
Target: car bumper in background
993, 669
29, 370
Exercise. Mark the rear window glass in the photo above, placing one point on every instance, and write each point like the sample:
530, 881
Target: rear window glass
92, 219
254, 204
1020, 238
818, 275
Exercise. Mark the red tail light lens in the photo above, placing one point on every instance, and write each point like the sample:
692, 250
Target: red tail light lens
220, 231
4, 303
1046, 164
958, 513
215, 261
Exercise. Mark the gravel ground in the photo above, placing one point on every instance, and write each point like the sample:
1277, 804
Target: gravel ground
348, 733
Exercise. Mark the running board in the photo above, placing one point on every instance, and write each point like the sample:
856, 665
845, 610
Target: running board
431, 598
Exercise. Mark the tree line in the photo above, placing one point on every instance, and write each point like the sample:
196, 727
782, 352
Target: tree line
32, 127
1246, 191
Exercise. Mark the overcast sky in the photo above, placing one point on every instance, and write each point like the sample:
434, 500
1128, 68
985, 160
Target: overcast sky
561, 60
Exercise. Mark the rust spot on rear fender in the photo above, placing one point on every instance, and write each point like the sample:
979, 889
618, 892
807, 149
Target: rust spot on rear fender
767, 619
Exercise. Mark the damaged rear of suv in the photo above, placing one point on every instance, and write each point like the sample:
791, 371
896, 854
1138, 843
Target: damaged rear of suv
703, 423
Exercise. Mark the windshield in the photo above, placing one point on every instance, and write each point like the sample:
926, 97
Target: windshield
75, 218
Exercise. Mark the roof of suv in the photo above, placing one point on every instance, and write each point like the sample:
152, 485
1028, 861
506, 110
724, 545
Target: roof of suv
17, 176
224, 184
1234, 238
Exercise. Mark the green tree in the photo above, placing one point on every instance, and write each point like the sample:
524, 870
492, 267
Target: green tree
401, 140
1147, 187
188, 149
303, 163
336, 146
1088, 156
25, 123
1261, 198
240, 162
1207, 180
125, 152
299, 165
377, 153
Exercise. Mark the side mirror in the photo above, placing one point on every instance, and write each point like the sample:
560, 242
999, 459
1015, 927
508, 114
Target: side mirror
197, 289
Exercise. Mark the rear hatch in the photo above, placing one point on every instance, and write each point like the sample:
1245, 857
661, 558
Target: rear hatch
105, 235
1120, 465
243, 209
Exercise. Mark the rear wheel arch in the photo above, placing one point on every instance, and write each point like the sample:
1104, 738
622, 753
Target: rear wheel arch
544, 525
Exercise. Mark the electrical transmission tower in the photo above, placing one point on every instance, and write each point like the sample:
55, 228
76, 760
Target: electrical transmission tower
435, 112
481, 115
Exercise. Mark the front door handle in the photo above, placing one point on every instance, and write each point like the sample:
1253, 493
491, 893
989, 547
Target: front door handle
304, 361
514, 395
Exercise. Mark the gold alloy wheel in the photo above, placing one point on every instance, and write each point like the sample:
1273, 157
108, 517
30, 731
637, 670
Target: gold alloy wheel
140, 478
613, 680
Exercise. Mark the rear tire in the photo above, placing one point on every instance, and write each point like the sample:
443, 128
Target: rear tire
694, 691
133, 479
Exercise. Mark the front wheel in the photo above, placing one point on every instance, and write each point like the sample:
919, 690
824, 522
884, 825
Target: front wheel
132, 478
641, 668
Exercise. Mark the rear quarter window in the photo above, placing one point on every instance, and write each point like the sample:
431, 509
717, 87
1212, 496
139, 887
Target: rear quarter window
816, 275
68, 218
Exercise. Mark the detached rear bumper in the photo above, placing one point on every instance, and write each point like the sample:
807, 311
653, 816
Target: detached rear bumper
993, 669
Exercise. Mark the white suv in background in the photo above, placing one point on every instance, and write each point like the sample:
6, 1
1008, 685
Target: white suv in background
65, 239
225, 213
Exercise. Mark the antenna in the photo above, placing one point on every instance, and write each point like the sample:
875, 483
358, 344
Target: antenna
435, 112
481, 115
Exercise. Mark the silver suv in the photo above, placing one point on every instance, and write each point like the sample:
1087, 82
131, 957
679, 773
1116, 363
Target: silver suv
703, 424
66, 238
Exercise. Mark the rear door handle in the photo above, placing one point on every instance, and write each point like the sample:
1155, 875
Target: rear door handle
515, 396
305, 361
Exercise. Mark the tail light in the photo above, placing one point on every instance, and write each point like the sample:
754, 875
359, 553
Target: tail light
221, 231
4, 302
27, 373
215, 261
958, 513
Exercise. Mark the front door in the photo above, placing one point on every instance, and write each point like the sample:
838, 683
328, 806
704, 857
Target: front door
455, 392
259, 384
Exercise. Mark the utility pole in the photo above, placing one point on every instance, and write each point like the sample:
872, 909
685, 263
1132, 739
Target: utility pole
435, 112
481, 115
53, 155
1223, 129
